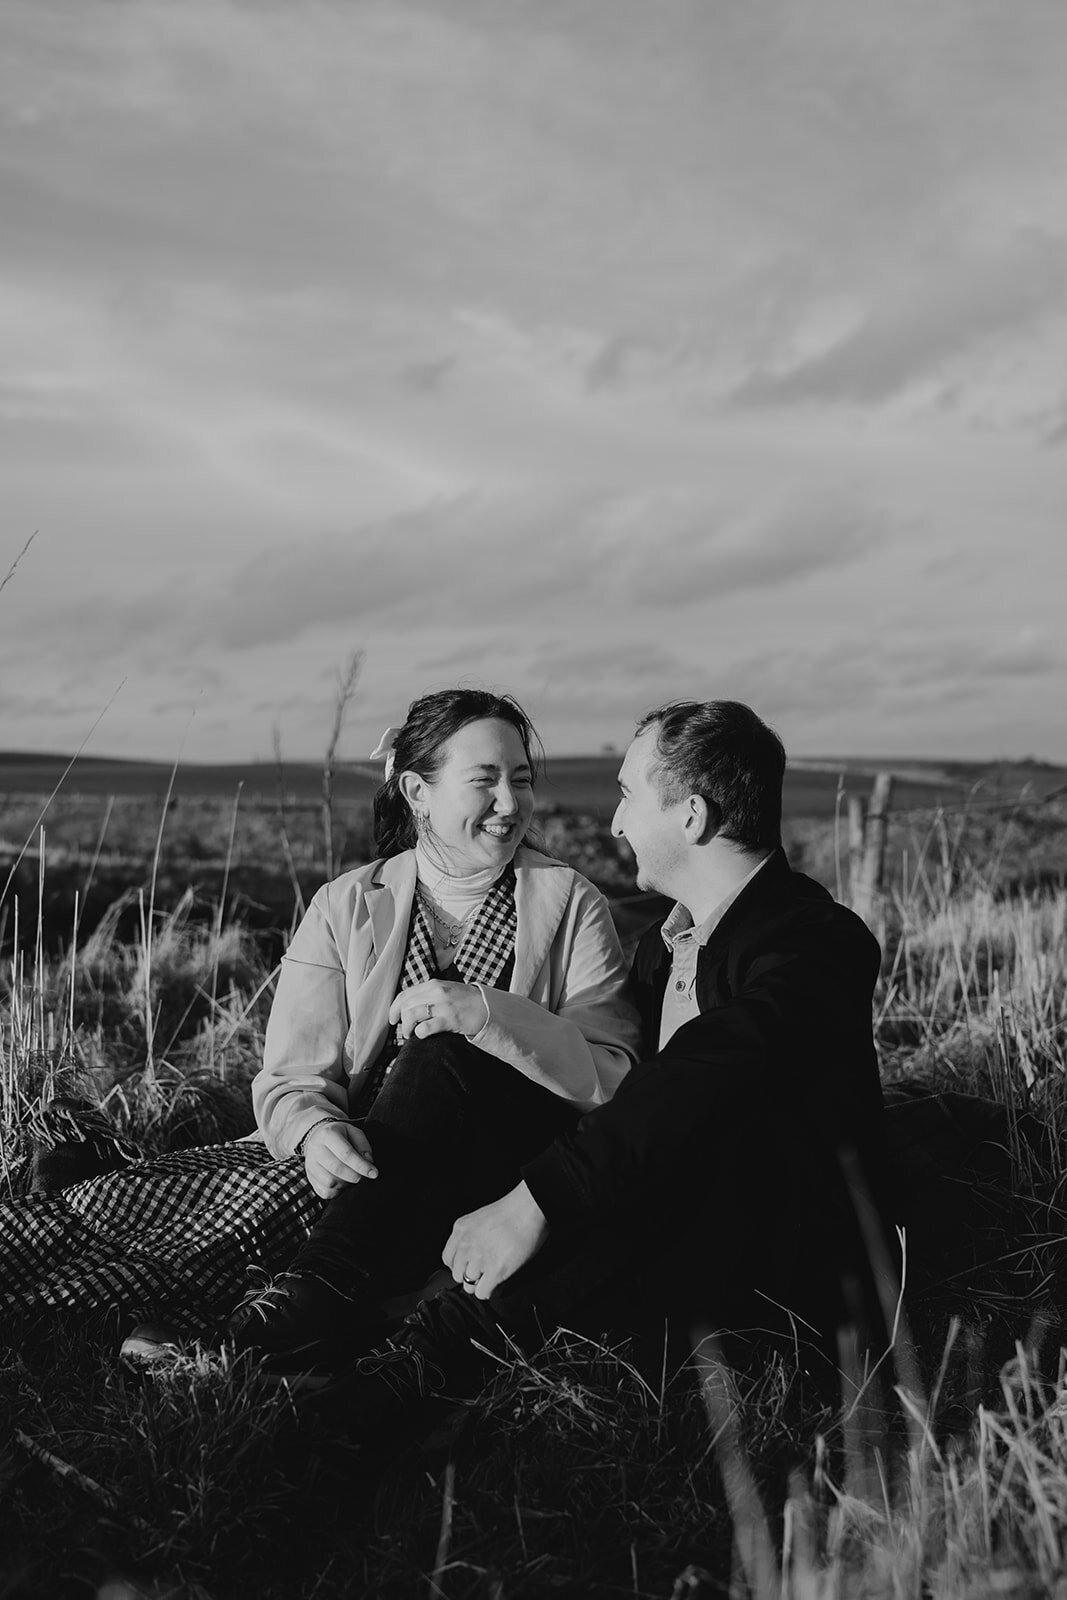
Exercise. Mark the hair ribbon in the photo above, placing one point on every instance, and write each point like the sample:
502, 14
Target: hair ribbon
384, 751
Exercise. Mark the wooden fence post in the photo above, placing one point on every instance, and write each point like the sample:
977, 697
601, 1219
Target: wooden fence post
866, 886
857, 821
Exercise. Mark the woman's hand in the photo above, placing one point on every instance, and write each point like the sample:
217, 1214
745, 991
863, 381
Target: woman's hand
437, 1007
336, 1153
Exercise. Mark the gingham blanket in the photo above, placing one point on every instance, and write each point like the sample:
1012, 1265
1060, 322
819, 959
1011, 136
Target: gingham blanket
178, 1236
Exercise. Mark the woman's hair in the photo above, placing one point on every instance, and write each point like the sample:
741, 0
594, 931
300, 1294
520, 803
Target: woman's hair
721, 750
419, 747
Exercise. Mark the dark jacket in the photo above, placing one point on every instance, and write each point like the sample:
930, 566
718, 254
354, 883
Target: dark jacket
766, 1094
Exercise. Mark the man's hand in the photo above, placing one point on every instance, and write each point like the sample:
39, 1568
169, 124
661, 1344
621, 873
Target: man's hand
336, 1153
488, 1245
437, 1007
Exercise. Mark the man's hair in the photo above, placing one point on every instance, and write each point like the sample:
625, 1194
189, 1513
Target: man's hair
721, 751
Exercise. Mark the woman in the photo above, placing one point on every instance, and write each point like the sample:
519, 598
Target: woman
489, 954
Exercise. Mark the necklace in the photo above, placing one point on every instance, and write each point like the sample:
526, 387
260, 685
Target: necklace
453, 931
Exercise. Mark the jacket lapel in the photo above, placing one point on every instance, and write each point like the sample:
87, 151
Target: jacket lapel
393, 884
766, 887
542, 888
388, 900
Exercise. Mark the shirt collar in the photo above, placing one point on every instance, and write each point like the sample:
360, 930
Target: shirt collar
679, 923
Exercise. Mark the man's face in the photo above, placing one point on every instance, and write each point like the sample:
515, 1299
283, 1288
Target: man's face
653, 831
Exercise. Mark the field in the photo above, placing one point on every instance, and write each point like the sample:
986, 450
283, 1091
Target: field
141, 982
575, 783
256, 834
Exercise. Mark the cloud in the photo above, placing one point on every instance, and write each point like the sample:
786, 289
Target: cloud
683, 552
48, 707
475, 563
428, 377
607, 663
459, 659
891, 677
951, 311
1055, 428
468, 560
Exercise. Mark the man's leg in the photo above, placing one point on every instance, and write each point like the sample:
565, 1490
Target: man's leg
737, 1247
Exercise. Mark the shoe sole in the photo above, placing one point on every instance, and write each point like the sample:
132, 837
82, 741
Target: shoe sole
148, 1352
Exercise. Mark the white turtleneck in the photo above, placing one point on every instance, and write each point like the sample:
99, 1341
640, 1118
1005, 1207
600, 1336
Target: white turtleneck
454, 898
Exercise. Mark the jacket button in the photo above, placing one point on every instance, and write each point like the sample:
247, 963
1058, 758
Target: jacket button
679, 985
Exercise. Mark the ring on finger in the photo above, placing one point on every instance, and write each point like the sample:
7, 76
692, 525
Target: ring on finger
429, 1013
470, 1282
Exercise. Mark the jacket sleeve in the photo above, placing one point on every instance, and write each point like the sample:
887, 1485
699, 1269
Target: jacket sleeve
582, 1044
785, 1042
302, 1078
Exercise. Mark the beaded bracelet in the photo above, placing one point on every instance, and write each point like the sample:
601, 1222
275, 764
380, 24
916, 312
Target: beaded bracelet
299, 1147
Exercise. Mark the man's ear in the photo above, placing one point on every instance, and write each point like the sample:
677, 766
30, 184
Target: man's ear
701, 820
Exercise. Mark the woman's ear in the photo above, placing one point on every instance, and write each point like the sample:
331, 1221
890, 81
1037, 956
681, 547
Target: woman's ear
416, 792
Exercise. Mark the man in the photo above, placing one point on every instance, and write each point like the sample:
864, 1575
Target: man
736, 1176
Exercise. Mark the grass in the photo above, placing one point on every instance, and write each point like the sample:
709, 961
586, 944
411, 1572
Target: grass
590, 1470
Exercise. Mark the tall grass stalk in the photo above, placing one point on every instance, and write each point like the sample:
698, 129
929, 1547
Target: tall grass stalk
219, 913
283, 824
346, 687
37, 1041
95, 859
10, 573
753, 1544
147, 925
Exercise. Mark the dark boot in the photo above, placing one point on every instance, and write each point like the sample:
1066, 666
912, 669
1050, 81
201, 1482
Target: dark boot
446, 1350
301, 1323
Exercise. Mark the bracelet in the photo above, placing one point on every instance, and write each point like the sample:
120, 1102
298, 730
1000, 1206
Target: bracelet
488, 1014
298, 1149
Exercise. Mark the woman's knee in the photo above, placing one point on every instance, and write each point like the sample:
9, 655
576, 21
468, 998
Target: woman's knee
441, 1053
430, 1079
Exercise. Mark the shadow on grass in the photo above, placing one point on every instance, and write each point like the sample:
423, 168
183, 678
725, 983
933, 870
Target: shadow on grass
582, 1472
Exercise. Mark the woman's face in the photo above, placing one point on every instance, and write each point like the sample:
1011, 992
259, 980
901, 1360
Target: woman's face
480, 801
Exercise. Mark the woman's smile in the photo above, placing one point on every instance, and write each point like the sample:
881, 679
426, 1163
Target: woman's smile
499, 830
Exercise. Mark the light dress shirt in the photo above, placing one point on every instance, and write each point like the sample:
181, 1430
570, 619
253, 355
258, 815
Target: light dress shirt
685, 943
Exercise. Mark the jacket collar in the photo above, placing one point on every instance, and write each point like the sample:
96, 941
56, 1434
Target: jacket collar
765, 887
542, 887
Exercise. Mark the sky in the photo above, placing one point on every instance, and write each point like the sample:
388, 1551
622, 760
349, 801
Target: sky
601, 351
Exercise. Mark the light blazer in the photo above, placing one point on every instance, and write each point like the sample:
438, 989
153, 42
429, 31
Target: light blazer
565, 1021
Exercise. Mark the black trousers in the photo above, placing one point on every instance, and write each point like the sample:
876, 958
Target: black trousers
743, 1241
450, 1129
734, 1240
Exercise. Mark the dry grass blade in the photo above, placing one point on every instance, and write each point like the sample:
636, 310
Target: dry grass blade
220, 912
283, 825
444, 1538
10, 573
722, 1403
71, 1474
346, 688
